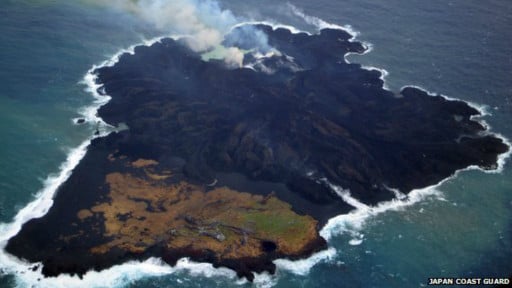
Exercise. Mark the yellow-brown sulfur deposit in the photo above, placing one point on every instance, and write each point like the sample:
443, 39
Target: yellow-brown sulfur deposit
146, 210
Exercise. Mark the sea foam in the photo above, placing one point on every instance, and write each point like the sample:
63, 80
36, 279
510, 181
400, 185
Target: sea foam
353, 222
30, 274
320, 23
43, 199
484, 111
303, 266
120, 275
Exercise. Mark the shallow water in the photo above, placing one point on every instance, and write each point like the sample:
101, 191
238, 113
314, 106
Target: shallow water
458, 48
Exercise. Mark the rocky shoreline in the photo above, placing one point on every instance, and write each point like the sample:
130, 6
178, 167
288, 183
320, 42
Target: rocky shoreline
286, 124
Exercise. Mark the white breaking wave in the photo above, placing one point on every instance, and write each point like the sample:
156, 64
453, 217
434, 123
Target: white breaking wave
120, 275
43, 200
320, 23
383, 74
273, 24
354, 221
484, 110
303, 266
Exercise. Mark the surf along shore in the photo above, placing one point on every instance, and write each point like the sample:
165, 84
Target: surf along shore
228, 166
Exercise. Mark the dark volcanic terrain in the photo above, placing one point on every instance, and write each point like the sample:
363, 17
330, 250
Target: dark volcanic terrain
234, 166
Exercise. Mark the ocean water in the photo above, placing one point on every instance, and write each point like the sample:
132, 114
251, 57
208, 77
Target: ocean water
460, 48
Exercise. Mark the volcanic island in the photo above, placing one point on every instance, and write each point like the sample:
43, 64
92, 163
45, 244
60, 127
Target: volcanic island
236, 166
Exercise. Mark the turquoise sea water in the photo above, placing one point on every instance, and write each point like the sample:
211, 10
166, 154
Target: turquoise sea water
460, 48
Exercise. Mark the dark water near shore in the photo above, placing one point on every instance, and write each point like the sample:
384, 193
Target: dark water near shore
460, 48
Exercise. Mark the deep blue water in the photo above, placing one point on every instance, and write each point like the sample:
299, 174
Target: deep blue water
460, 48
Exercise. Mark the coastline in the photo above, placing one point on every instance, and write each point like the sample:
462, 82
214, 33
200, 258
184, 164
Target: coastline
43, 201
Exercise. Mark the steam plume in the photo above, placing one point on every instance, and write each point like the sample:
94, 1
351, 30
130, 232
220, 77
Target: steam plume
204, 20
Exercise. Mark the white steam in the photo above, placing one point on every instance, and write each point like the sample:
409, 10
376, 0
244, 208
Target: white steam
204, 21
